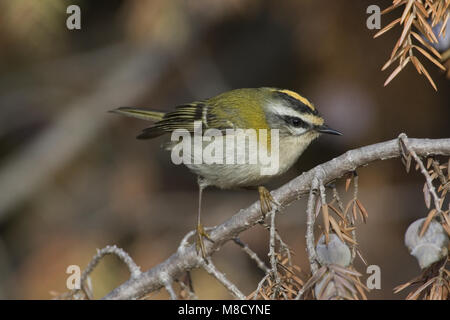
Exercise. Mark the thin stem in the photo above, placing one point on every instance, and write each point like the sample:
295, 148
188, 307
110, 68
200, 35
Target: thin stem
311, 218
424, 171
272, 254
212, 270
170, 290
252, 255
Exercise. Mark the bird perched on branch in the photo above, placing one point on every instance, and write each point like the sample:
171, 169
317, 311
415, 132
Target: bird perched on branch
275, 127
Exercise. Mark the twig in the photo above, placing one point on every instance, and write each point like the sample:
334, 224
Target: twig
338, 199
283, 245
348, 219
404, 139
260, 285
352, 218
188, 288
252, 255
134, 270
272, 254
184, 243
300, 294
212, 270
169, 289
187, 259
324, 205
355, 186
311, 218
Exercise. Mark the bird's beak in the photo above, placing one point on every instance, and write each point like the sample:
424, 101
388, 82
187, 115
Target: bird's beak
325, 129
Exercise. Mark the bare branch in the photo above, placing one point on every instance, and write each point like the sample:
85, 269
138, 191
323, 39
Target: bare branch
252, 255
254, 295
187, 258
404, 139
311, 217
85, 284
272, 253
283, 246
187, 289
135, 271
212, 270
352, 218
169, 288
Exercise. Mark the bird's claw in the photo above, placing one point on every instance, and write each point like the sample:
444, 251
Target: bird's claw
266, 201
200, 245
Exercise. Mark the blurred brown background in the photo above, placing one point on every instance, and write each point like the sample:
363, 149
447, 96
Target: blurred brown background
73, 178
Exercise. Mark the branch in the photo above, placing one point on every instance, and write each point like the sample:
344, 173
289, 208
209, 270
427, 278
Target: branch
404, 139
169, 288
310, 220
272, 254
187, 258
134, 270
252, 255
212, 270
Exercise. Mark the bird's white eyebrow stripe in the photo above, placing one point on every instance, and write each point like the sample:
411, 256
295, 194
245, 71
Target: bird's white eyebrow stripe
282, 110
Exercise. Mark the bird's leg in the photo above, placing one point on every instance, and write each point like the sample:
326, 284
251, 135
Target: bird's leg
200, 230
266, 200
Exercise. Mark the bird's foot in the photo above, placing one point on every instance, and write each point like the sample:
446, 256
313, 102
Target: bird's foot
200, 245
266, 201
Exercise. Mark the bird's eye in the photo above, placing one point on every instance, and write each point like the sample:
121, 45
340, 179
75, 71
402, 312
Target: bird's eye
296, 122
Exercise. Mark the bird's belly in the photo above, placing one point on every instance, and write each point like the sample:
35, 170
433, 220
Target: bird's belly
227, 174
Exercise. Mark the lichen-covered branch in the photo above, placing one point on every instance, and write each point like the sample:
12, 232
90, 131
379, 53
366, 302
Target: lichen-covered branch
187, 258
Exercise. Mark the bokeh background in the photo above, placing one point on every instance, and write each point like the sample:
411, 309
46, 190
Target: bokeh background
73, 178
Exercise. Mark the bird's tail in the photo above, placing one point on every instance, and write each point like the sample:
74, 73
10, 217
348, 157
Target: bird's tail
144, 114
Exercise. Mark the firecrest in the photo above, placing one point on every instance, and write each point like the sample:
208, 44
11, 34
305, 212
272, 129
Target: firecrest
295, 119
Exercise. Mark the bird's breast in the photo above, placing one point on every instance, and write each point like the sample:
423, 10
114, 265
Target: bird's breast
227, 162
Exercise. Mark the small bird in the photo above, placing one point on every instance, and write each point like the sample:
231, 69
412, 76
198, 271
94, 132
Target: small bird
296, 122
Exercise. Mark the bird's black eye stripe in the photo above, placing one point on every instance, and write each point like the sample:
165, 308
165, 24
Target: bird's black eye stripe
296, 122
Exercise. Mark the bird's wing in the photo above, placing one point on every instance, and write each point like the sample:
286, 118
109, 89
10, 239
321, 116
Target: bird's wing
184, 117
